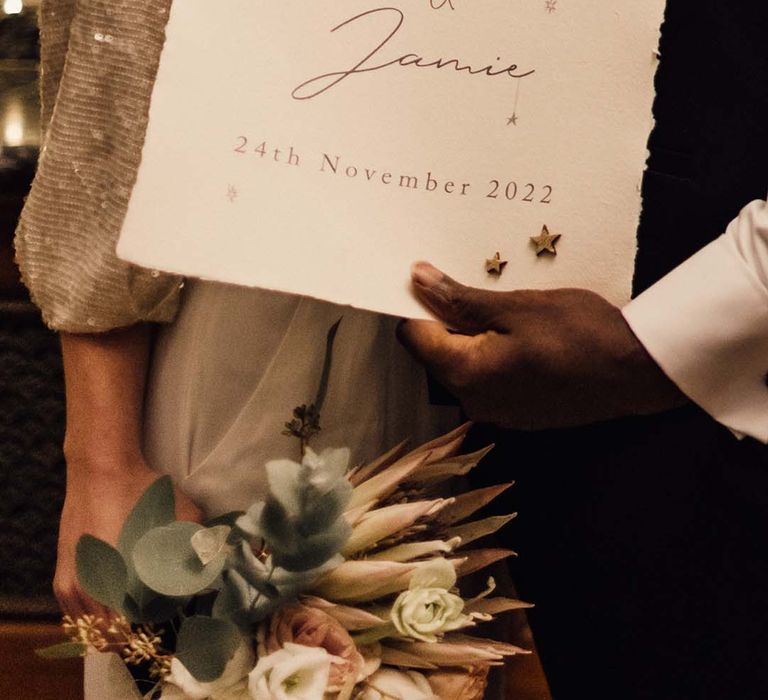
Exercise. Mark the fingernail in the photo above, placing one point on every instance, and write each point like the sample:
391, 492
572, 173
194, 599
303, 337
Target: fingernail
426, 275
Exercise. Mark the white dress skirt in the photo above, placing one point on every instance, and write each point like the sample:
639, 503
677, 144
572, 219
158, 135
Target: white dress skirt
227, 374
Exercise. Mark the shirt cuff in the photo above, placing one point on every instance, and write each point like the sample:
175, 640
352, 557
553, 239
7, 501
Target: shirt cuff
706, 325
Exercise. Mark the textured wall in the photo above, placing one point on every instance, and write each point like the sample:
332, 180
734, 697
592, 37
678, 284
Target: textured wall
31, 394
31, 463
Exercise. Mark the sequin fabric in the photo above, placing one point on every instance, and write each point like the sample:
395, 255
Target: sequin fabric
99, 60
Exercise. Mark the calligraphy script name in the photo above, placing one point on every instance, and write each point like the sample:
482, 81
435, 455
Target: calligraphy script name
323, 83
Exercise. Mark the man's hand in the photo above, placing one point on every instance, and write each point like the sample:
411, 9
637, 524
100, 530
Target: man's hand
533, 360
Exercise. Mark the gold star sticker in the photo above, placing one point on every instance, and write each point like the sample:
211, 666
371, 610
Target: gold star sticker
545, 243
495, 265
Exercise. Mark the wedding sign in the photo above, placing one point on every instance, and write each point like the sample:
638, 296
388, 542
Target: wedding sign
322, 147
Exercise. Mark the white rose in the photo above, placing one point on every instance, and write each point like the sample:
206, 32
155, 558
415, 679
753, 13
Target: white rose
390, 684
295, 672
180, 684
426, 613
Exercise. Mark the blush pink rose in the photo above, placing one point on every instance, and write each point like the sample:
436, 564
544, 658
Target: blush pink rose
310, 627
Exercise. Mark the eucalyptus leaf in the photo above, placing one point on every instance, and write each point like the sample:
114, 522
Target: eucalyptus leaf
291, 547
234, 600
262, 609
65, 650
313, 552
166, 562
322, 510
157, 507
210, 542
249, 523
133, 611
102, 572
286, 481
206, 645
328, 467
277, 528
254, 572
291, 584
143, 605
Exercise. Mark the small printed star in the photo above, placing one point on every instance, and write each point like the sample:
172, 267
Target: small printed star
495, 265
232, 193
512, 120
546, 242
551, 6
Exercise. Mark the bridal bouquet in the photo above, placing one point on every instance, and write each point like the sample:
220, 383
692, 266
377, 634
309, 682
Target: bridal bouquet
342, 583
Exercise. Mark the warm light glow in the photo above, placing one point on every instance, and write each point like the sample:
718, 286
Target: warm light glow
13, 134
13, 126
13, 7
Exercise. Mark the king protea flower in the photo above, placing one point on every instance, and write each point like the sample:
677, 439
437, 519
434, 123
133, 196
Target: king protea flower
406, 556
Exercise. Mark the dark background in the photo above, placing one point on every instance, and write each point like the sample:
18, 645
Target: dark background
31, 401
31, 392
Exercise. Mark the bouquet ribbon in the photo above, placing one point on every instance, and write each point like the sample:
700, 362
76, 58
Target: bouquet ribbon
107, 678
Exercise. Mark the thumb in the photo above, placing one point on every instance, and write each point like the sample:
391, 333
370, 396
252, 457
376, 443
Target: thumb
464, 309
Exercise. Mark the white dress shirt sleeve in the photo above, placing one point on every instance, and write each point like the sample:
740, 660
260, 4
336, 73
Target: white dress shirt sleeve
706, 325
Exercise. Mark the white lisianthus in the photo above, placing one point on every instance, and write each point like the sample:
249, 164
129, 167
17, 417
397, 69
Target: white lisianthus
428, 610
295, 672
391, 684
426, 613
180, 684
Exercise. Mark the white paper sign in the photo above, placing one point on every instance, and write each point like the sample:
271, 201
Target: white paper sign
322, 147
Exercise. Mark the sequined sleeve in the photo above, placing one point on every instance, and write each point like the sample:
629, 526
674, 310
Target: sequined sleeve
99, 62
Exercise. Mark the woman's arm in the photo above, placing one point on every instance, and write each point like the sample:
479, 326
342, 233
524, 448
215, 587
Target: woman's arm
105, 377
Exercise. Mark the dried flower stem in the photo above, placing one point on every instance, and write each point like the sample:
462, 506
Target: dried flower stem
136, 646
